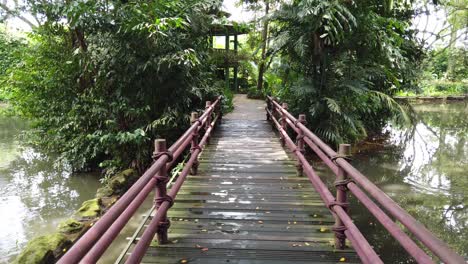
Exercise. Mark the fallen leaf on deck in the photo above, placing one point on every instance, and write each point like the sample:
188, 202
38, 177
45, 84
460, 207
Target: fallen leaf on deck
183, 261
323, 229
342, 259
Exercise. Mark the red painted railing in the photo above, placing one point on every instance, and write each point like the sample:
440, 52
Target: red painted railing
92, 245
348, 178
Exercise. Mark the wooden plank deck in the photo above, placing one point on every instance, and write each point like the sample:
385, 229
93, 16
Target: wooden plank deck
246, 205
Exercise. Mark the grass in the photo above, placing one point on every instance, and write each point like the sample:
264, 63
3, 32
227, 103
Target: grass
439, 88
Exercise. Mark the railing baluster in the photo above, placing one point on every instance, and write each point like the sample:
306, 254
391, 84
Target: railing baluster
300, 145
268, 109
161, 190
284, 124
195, 135
208, 119
341, 182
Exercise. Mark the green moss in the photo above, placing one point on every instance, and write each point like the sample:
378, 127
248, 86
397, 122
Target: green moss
90, 208
41, 249
105, 191
123, 180
70, 226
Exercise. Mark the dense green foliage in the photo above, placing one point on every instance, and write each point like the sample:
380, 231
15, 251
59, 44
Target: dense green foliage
102, 78
438, 63
11, 49
439, 78
339, 62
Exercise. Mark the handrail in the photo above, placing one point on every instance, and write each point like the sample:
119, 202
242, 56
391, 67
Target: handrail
90, 247
145, 240
338, 164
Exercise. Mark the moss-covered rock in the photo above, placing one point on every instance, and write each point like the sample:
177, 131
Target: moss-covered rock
105, 191
90, 209
70, 226
43, 249
120, 182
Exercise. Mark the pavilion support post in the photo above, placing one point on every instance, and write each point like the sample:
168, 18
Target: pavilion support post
236, 68
226, 76
194, 146
236, 43
226, 60
341, 183
211, 42
284, 123
300, 144
161, 191
236, 79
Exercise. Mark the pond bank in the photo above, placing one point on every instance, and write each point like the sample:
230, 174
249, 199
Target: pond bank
433, 98
49, 248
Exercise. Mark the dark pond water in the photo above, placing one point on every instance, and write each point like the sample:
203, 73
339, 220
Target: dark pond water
36, 192
424, 169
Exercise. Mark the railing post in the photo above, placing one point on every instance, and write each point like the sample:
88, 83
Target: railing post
268, 107
208, 120
161, 190
341, 182
195, 146
284, 123
300, 143
220, 110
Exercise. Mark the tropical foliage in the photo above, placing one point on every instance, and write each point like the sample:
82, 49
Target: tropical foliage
340, 62
101, 78
11, 48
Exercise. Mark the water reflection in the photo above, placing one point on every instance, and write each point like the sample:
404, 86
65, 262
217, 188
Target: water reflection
36, 192
424, 169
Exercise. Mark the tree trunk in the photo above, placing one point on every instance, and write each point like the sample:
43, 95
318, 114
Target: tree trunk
451, 57
261, 68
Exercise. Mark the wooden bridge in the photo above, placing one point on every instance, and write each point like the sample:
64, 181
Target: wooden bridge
250, 200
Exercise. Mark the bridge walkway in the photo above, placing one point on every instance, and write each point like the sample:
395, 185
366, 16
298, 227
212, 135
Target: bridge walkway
246, 204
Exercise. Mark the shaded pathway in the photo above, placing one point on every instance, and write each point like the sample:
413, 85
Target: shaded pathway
246, 205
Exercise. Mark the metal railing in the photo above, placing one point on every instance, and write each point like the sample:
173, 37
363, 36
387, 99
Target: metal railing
349, 178
92, 245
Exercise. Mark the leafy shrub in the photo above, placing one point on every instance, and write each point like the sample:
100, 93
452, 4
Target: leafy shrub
341, 62
103, 78
254, 93
10, 50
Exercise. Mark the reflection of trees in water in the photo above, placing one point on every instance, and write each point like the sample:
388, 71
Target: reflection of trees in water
45, 187
10, 128
424, 170
36, 191
435, 163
